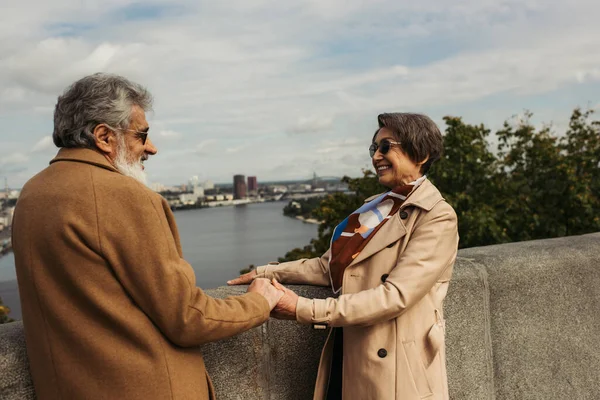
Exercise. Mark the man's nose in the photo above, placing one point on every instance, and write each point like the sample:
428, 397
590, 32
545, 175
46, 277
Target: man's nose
150, 148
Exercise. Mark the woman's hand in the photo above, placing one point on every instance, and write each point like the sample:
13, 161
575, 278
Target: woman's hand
286, 307
245, 279
264, 287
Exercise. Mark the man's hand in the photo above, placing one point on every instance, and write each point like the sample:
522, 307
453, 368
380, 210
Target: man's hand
286, 307
245, 279
263, 287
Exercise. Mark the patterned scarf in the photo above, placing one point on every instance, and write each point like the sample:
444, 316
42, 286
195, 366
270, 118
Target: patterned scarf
352, 235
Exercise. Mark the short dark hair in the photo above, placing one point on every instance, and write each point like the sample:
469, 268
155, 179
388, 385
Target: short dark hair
419, 136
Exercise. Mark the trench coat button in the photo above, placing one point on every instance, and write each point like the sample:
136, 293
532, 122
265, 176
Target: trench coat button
382, 353
384, 277
403, 215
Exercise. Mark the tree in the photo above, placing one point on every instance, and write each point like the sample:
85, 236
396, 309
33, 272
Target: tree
536, 185
581, 147
4, 311
333, 209
465, 175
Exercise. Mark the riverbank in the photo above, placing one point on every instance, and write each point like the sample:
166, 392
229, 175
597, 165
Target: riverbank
308, 220
5, 242
9, 292
217, 242
220, 203
5, 249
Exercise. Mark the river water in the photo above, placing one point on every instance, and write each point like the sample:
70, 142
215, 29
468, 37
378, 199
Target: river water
217, 242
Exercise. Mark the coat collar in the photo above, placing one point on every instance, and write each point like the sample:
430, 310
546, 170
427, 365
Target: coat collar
426, 196
86, 156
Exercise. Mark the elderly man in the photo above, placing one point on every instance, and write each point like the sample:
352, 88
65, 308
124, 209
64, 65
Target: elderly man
110, 307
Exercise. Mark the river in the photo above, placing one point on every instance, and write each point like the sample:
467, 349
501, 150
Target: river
217, 242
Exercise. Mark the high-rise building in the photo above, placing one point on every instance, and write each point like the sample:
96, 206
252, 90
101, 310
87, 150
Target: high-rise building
239, 187
252, 185
157, 187
208, 184
192, 183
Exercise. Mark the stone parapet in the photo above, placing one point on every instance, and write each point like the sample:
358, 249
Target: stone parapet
523, 322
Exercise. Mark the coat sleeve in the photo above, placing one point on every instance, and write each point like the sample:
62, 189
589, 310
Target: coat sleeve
137, 241
313, 271
431, 250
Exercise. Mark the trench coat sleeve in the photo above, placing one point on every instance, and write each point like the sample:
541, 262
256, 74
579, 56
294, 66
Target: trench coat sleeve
137, 236
313, 271
431, 250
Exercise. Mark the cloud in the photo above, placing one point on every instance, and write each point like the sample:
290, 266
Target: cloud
218, 71
590, 75
342, 146
311, 125
13, 159
202, 148
170, 134
43, 144
233, 150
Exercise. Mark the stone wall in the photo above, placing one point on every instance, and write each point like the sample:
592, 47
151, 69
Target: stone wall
523, 322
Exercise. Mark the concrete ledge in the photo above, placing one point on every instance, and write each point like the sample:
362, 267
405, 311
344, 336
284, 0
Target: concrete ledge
15, 381
522, 323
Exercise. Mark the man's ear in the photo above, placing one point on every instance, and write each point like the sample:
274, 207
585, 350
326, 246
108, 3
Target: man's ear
420, 164
105, 140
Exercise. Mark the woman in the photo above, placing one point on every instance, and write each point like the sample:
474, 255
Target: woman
391, 261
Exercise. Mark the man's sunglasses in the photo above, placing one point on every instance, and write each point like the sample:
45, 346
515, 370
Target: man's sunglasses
142, 135
384, 146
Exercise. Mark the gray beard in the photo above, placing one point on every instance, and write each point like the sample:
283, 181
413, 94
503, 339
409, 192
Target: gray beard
132, 169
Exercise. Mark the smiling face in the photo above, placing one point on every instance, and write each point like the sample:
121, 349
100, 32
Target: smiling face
394, 168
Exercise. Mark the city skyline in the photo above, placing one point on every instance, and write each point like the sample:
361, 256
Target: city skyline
229, 93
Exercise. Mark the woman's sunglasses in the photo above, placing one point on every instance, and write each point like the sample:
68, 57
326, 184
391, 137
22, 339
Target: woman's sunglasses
384, 146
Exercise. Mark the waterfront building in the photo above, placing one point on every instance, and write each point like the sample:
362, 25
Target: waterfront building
157, 187
239, 187
208, 185
278, 189
252, 184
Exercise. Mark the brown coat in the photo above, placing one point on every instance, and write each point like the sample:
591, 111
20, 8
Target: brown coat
390, 306
110, 308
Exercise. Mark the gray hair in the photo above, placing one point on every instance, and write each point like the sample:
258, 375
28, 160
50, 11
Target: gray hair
96, 99
419, 136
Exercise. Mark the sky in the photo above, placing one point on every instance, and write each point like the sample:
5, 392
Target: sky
281, 90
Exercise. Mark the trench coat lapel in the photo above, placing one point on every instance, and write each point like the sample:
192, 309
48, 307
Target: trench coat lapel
390, 232
425, 197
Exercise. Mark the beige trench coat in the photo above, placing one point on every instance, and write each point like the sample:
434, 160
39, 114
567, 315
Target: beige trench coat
390, 306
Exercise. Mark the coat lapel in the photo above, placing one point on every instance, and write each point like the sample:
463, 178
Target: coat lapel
426, 196
390, 232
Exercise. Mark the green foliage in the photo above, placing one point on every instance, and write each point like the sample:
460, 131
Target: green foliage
4, 311
302, 207
332, 209
465, 176
248, 269
534, 185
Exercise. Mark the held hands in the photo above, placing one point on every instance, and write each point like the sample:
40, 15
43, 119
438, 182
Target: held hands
286, 307
282, 300
263, 287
